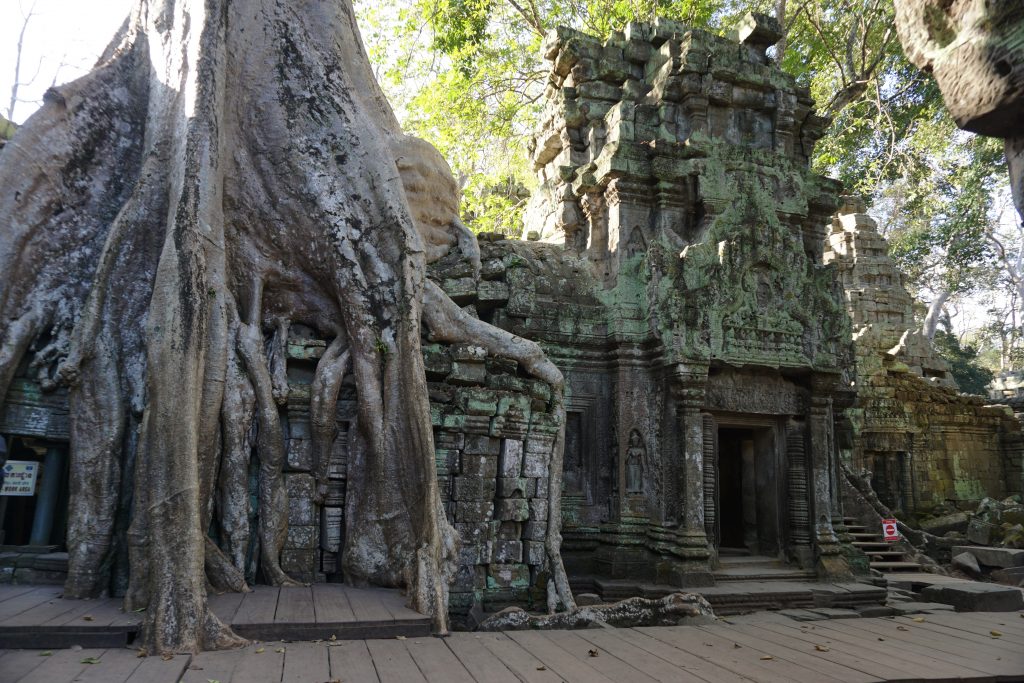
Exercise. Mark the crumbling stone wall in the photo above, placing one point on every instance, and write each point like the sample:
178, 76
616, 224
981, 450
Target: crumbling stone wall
925, 443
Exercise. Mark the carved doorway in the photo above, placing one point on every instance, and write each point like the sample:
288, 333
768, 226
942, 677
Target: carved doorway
747, 515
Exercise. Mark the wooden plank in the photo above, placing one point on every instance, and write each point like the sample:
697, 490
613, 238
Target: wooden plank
259, 667
306, 663
393, 662
522, 663
258, 606
867, 665
160, 670
116, 666
44, 612
212, 666
947, 647
982, 639
295, 606
657, 659
898, 666
9, 591
981, 623
331, 604
367, 605
806, 656
558, 660
927, 665
259, 663
62, 665
477, 659
225, 605
18, 663
34, 597
435, 661
743, 661
102, 613
394, 602
351, 662
81, 607
611, 665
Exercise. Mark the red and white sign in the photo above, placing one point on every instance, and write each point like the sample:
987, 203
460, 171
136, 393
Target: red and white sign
889, 530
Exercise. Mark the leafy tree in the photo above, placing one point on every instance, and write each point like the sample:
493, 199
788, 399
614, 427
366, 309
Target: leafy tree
969, 373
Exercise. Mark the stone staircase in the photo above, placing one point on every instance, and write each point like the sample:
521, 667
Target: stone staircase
883, 556
740, 565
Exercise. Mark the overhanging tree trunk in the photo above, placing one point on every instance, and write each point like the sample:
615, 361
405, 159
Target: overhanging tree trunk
229, 169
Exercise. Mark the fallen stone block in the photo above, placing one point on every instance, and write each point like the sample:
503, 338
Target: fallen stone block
968, 563
940, 526
916, 607
1011, 576
671, 610
993, 557
969, 596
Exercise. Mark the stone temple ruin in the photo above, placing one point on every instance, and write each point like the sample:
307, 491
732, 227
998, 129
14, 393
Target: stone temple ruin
680, 269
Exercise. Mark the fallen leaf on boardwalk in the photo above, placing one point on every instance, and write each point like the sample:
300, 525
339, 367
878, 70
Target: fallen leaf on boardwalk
139, 609
45, 654
737, 645
593, 653
212, 680
167, 658
766, 657
902, 628
542, 668
919, 619
141, 653
333, 637
821, 648
88, 618
260, 650
399, 637
995, 634
881, 638
279, 650
91, 660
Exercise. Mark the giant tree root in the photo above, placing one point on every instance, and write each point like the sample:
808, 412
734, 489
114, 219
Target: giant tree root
668, 611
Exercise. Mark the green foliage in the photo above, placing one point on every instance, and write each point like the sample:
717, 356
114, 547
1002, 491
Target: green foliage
970, 375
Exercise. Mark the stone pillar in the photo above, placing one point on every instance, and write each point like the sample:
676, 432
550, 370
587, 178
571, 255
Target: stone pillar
691, 539
831, 564
46, 502
797, 490
629, 212
710, 451
907, 502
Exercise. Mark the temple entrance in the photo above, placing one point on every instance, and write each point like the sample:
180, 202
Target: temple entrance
747, 498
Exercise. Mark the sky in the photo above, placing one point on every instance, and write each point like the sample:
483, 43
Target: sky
62, 41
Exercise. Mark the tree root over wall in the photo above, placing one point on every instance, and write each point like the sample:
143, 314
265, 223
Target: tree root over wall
227, 170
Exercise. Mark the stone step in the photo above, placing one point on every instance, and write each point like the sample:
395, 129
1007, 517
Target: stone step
886, 555
895, 566
866, 536
866, 545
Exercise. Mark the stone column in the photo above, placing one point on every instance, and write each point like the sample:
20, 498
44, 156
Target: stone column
797, 490
629, 210
46, 503
710, 452
831, 564
691, 538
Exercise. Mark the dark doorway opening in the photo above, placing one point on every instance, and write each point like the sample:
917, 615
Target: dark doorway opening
748, 515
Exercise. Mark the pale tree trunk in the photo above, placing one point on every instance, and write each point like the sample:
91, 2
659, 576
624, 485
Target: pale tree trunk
229, 169
931, 319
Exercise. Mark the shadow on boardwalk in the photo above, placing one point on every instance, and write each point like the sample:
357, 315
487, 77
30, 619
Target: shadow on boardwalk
761, 647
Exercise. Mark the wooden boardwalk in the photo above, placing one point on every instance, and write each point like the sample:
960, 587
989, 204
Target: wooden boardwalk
36, 616
762, 648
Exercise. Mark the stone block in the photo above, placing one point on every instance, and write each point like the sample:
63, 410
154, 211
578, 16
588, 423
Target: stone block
331, 519
540, 487
507, 551
478, 401
971, 596
993, 557
538, 510
485, 466
967, 563
481, 444
301, 537
474, 511
469, 353
535, 530
437, 361
301, 510
461, 290
467, 373
514, 406
492, 292
513, 510
536, 464
511, 460
534, 552
940, 526
1011, 576
300, 455
979, 531
298, 562
509, 531
513, 487
473, 488
508, 576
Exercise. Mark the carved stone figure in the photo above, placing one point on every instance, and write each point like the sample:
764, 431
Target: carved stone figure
635, 456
